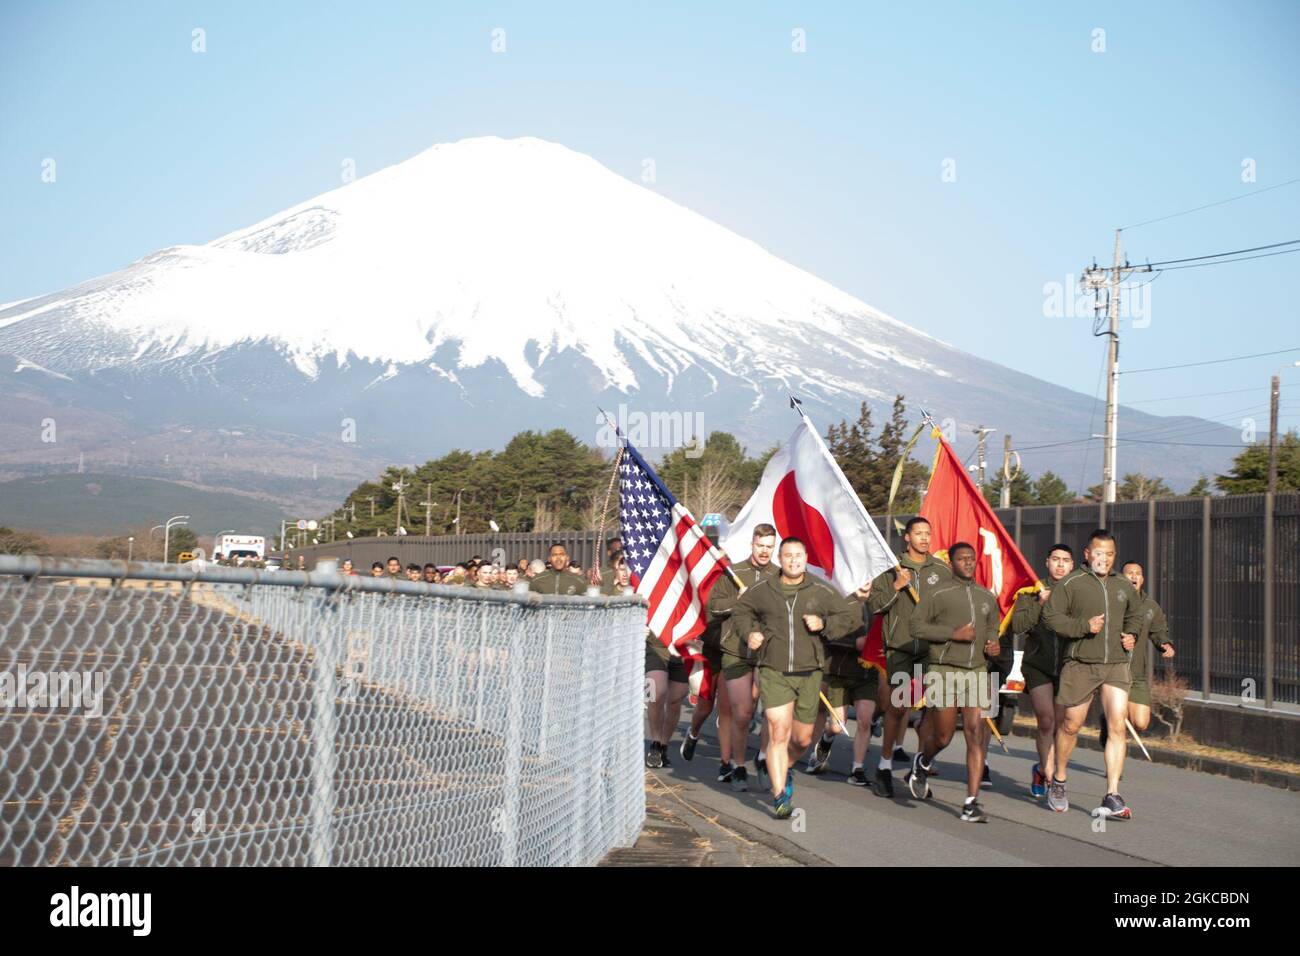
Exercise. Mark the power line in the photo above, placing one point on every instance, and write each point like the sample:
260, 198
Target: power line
1186, 444
1235, 358
1171, 398
1235, 252
1219, 262
1210, 205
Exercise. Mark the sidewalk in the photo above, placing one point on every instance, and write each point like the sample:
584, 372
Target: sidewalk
679, 834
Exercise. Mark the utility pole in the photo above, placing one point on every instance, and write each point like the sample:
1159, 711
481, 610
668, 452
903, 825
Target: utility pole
1005, 501
1272, 434
1097, 278
400, 488
982, 434
428, 508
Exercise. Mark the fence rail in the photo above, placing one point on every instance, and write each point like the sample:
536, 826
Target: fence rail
1225, 570
162, 715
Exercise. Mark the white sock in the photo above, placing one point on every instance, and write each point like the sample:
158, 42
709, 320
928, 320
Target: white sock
969, 801
762, 755
885, 763
694, 736
856, 766
827, 737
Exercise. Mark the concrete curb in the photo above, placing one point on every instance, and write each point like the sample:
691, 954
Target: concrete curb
1223, 768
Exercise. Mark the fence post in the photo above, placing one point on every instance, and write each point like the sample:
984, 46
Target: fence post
1151, 573
546, 689
1207, 578
1018, 510
324, 729
482, 664
583, 774
1056, 530
1269, 635
512, 779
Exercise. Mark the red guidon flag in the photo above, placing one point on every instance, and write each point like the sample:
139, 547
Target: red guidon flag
958, 512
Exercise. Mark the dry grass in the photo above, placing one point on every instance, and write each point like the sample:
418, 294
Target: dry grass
1187, 747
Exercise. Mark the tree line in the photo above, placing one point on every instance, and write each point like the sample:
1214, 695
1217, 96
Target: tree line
551, 481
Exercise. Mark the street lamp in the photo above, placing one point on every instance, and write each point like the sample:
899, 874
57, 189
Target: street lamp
167, 531
130, 546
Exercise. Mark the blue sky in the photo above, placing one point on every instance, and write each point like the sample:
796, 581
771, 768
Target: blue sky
831, 158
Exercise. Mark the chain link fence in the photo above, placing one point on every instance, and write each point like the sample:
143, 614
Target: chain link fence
158, 715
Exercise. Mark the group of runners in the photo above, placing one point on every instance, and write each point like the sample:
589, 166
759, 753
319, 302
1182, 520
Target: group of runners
784, 639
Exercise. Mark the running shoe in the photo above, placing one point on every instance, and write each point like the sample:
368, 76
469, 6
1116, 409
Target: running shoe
900, 755
1056, 798
782, 805
985, 779
789, 783
1038, 782
653, 757
740, 779
688, 747
821, 756
918, 783
725, 770
760, 765
1113, 806
858, 778
972, 812
882, 785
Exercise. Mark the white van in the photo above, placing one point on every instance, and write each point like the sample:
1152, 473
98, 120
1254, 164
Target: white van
239, 546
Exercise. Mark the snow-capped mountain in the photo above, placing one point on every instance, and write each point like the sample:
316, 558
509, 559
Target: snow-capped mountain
487, 286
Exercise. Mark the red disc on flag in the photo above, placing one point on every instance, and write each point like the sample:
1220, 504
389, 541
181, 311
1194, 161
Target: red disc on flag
795, 518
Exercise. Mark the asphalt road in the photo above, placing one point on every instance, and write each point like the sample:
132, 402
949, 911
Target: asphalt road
1180, 817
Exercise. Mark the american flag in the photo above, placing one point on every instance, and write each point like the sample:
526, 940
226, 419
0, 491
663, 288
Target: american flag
673, 564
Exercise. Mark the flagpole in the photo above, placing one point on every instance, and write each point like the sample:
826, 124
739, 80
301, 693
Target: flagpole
834, 716
1132, 731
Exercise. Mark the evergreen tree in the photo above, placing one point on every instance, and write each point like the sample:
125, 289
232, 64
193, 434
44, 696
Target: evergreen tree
1022, 490
1049, 489
1249, 473
1135, 487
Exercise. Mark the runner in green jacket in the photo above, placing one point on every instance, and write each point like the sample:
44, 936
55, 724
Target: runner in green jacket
787, 620
1097, 612
1155, 630
739, 663
1041, 665
960, 622
891, 595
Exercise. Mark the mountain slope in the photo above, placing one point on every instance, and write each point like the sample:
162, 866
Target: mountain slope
501, 284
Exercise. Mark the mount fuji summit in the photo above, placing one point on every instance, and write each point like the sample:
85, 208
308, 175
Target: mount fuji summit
477, 289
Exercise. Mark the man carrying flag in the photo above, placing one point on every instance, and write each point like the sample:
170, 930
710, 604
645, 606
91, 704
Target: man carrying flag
671, 563
890, 595
804, 495
957, 511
